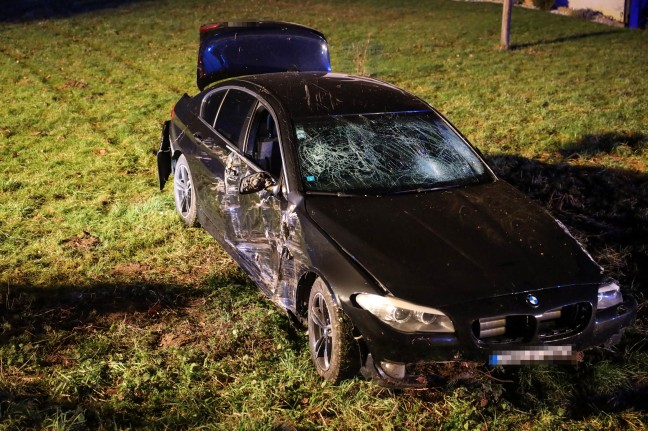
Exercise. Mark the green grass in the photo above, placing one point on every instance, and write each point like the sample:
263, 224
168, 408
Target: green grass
115, 316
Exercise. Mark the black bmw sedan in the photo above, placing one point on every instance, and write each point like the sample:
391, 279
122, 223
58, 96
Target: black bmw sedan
359, 209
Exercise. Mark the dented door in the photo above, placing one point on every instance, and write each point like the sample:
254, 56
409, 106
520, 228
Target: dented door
253, 224
253, 220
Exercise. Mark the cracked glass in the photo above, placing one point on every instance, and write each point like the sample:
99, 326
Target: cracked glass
384, 153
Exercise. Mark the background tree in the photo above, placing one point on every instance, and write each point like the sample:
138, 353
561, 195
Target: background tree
507, 7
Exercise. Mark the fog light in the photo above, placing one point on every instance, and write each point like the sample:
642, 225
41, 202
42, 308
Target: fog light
393, 369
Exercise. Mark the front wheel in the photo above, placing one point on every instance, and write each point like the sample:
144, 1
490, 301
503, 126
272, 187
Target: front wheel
184, 193
333, 349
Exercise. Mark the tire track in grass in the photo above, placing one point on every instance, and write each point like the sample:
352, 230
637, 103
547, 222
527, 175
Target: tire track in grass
57, 94
113, 117
84, 115
155, 85
48, 188
118, 59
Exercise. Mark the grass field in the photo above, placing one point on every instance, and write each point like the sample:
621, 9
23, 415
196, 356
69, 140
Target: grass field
113, 315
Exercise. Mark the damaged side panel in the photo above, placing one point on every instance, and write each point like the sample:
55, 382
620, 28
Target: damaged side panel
264, 230
294, 261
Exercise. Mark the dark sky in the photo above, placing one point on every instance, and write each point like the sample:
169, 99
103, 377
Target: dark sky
30, 10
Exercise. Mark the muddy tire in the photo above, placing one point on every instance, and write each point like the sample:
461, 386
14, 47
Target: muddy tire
333, 349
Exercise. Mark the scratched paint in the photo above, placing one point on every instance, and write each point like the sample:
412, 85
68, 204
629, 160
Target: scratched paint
266, 232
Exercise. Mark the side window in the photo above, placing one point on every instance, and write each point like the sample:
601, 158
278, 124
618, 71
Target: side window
263, 142
210, 105
234, 114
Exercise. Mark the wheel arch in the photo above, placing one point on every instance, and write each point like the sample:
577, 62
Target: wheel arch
174, 158
167, 155
344, 355
304, 286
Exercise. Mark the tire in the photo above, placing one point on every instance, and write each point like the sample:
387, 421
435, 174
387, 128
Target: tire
333, 349
184, 193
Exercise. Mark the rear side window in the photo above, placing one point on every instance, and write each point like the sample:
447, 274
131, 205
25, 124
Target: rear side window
210, 105
234, 114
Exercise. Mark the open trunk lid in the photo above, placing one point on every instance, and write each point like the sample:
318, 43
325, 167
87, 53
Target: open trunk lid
230, 49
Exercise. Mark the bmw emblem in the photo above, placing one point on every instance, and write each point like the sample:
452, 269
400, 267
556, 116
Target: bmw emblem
532, 300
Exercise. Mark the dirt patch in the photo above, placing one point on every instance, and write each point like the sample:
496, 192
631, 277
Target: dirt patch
84, 241
131, 270
58, 359
73, 83
190, 328
36, 310
185, 333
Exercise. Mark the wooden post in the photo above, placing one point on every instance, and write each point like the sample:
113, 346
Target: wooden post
507, 7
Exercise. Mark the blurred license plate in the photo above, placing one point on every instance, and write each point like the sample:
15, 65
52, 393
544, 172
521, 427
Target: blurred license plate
535, 354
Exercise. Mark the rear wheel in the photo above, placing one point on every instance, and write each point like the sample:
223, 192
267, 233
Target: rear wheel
333, 349
183, 192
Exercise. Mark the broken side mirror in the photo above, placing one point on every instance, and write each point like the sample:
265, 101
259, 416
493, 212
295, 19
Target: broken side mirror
256, 182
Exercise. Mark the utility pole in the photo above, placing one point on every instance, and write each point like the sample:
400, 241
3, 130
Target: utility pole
507, 7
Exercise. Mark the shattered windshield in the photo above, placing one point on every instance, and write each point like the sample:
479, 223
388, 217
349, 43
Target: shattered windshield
384, 153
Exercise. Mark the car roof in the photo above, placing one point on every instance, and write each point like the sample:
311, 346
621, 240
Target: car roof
314, 94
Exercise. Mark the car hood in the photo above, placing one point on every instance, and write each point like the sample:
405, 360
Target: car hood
449, 246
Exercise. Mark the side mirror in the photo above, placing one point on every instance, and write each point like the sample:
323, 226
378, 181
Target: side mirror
256, 182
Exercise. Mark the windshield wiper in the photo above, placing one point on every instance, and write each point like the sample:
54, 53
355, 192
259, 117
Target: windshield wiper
426, 189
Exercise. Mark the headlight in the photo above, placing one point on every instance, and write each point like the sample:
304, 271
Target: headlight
609, 295
405, 316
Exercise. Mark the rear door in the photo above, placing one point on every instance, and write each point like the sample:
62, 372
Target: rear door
219, 131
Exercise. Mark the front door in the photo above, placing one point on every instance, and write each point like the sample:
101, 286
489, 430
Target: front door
254, 220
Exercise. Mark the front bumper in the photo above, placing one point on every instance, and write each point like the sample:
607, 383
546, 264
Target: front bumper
527, 329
